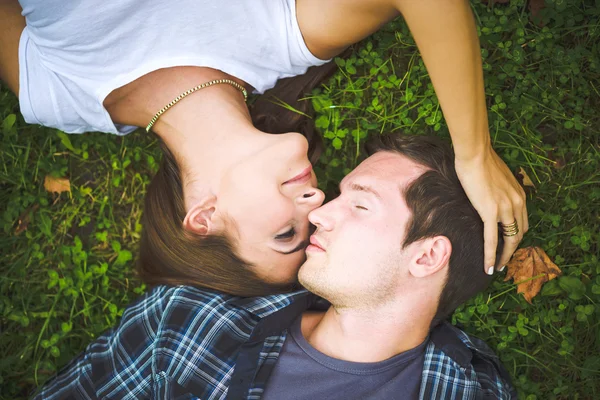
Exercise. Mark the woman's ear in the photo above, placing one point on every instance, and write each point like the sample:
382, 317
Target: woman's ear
432, 255
200, 217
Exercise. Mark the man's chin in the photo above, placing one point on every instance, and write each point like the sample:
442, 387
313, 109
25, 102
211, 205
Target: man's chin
302, 274
305, 270
307, 277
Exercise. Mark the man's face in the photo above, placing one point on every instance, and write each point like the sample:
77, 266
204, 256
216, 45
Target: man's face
356, 255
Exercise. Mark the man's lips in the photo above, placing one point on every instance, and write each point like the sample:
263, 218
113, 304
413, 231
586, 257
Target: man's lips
302, 177
315, 245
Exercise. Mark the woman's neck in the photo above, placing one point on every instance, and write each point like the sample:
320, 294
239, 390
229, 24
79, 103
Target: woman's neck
207, 131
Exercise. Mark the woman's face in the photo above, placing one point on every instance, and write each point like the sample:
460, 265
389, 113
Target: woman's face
264, 201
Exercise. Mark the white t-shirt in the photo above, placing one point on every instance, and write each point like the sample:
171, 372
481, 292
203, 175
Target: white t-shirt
73, 53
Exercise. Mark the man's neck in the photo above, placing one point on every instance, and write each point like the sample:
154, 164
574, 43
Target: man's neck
367, 335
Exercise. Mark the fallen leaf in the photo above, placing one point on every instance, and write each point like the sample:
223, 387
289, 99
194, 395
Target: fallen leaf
527, 182
530, 268
57, 185
24, 218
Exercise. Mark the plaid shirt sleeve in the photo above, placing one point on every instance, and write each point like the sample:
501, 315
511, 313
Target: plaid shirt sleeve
482, 376
119, 364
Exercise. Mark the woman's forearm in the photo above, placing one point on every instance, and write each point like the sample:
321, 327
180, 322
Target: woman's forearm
445, 33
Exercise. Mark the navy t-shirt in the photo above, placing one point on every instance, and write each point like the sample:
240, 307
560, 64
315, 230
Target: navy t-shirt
304, 373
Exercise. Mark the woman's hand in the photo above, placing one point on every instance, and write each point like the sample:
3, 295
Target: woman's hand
497, 197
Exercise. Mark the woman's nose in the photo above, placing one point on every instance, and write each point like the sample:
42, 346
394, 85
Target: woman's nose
292, 145
311, 197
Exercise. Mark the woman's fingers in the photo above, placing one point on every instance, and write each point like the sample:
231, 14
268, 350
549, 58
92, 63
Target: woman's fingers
514, 224
525, 217
498, 198
511, 230
490, 240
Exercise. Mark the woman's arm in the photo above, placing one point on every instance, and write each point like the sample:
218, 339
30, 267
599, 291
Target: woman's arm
445, 33
12, 27
447, 39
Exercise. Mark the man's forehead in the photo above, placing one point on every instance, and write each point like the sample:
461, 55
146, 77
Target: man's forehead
385, 165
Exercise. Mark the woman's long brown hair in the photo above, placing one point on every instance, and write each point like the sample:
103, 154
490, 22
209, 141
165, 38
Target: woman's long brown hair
171, 255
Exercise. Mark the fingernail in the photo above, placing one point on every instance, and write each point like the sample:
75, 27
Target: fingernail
490, 270
502, 269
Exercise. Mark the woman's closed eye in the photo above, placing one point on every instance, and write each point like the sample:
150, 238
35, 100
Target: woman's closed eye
286, 236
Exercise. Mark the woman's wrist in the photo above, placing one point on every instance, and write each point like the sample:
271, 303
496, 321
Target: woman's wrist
478, 149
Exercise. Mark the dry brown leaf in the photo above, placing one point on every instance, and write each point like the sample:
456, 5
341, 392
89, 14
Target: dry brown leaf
528, 263
527, 182
57, 185
24, 218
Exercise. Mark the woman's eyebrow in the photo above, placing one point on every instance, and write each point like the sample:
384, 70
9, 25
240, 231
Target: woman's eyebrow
301, 246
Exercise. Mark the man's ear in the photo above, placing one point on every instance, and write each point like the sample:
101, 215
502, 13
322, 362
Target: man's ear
431, 255
200, 217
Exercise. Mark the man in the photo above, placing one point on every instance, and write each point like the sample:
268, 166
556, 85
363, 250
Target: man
394, 254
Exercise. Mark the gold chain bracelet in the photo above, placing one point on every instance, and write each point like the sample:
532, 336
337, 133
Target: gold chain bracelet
192, 90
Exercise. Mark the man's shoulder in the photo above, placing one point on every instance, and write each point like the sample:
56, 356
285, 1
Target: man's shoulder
188, 308
459, 345
201, 333
180, 307
198, 333
457, 360
163, 299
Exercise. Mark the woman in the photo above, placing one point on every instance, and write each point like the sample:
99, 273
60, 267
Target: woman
228, 197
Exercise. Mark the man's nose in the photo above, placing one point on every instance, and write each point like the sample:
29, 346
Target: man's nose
322, 218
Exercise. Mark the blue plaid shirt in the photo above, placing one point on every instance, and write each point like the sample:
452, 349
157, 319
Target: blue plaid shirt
186, 343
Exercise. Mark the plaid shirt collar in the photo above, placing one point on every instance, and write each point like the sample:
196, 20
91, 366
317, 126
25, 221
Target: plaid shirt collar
266, 305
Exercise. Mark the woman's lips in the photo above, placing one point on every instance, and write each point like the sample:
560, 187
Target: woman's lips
302, 177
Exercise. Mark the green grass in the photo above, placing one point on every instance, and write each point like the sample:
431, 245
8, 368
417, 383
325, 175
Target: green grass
68, 275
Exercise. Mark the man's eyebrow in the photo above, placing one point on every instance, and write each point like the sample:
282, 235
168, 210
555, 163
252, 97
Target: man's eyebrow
303, 245
363, 188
